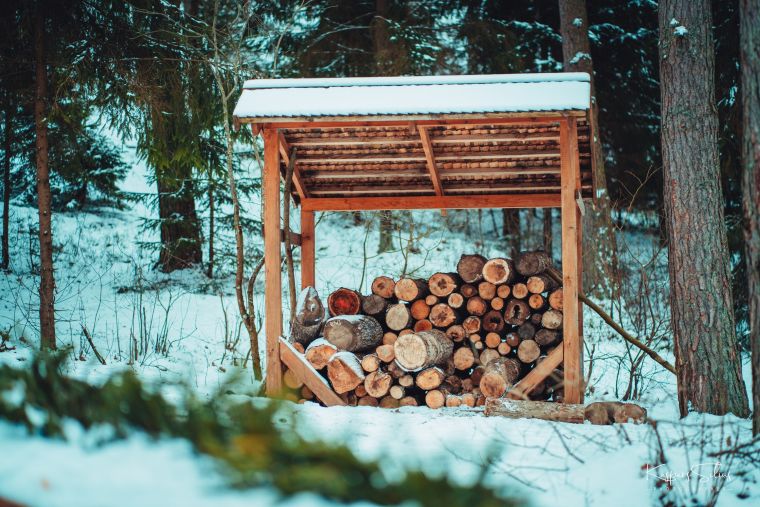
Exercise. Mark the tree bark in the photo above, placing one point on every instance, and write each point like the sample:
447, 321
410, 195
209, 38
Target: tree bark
7, 183
44, 198
707, 354
353, 332
180, 228
749, 15
599, 245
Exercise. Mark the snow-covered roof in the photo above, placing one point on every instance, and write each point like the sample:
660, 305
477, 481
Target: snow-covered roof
408, 96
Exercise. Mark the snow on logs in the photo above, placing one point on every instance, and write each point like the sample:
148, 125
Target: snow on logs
449, 341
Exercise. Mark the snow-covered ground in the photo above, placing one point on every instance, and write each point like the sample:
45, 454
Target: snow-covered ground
186, 329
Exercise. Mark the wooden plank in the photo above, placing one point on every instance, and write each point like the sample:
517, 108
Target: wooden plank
571, 336
431, 202
308, 255
430, 160
295, 238
579, 247
285, 154
305, 372
272, 256
537, 375
315, 142
471, 187
384, 158
331, 174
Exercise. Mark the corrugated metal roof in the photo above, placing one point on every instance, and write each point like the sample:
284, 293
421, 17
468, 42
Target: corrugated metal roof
401, 96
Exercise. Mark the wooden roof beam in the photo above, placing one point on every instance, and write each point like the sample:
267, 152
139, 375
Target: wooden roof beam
431, 202
297, 179
427, 147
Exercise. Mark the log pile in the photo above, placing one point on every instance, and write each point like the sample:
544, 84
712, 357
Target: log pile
453, 339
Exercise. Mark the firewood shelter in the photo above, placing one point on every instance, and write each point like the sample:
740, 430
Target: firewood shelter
405, 143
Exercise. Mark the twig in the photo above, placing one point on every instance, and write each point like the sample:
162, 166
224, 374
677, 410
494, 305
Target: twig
94, 348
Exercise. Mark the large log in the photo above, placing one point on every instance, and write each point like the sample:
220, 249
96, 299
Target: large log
344, 302
499, 271
309, 317
532, 263
499, 375
417, 351
345, 372
409, 289
470, 267
398, 317
540, 283
383, 286
548, 411
319, 352
443, 284
353, 332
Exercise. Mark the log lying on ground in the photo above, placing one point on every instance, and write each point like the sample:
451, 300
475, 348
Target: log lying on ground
518, 409
353, 332
421, 350
344, 302
309, 317
319, 352
345, 372
470, 267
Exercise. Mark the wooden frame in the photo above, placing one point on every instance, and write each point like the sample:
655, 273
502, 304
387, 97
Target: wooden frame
568, 200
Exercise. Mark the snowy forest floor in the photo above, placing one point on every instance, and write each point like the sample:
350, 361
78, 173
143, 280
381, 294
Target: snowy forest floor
186, 331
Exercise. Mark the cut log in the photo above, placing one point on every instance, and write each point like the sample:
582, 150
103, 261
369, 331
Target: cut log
374, 306
385, 353
499, 375
504, 348
552, 319
308, 319
497, 303
476, 306
430, 378
389, 402
488, 355
453, 384
493, 340
520, 291
532, 263
486, 290
383, 286
360, 391
417, 351
419, 309
443, 284
455, 300
435, 399
528, 351
306, 393
345, 372
540, 283
407, 401
526, 331
395, 370
353, 332
397, 317
468, 290
291, 380
344, 302
503, 291
536, 301
456, 333
512, 339
516, 312
471, 324
452, 401
350, 399
406, 380
423, 325
629, 412
442, 315
378, 383
431, 300
498, 271
368, 401
468, 400
319, 352
477, 375
477, 344
370, 363
389, 338
492, 322
546, 337
470, 267
555, 300
548, 411
535, 318
409, 289
397, 392
464, 359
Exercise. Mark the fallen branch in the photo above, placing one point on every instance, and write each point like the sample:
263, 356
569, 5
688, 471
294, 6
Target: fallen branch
94, 349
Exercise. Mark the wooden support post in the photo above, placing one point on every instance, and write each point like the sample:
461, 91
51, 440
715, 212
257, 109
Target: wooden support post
272, 256
308, 258
570, 272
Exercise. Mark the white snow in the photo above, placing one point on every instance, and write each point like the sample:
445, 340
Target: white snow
393, 96
680, 31
577, 57
578, 22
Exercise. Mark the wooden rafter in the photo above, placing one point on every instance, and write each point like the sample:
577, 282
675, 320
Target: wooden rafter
427, 147
431, 202
305, 372
537, 374
285, 154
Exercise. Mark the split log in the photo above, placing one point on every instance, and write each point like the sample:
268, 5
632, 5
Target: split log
555, 300
487, 290
344, 371
499, 375
383, 286
456, 333
471, 324
398, 317
520, 291
419, 309
455, 300
409, 289
442, 315
470, 267
548, 411
319, 352
516, 312
476, 306
498, 271
532, 263
417, 351
378, 383
353, 332
503, 291
385, 353
546, 337
492, 322
443, 284
528, 351
344, 302
464, 359
374, 306
370, 363
552, 319
540, 283
309, 317
468, 290
430, 378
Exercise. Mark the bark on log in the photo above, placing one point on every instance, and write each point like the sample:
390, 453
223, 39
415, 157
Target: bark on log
499, 375
344, 371
422, 350
344, 302
468, 290
319, 352
443, 284
512, 339
526, 331
353, 332
532, 263
309, 317
546, 337
488, 355
383, 286
389, 402
409, 289
407, 401
498, 271
374, 306
455, 300
470, 267
548, 411
368, 401
397, 317
516, 312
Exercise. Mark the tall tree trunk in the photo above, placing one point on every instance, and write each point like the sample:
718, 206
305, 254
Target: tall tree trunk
7, 183
211, 231
600, 271
511, 230
47, 282
180, 228
707, 356
547, 231
749, 13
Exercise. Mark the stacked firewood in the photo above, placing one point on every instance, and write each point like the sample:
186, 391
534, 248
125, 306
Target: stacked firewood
451, 340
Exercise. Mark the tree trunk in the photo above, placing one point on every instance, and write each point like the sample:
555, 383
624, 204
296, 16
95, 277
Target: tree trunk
750, 63
548, 247
599, 245
7, 183
511, 231
44, 199
211, 232
707, 358
180, 228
